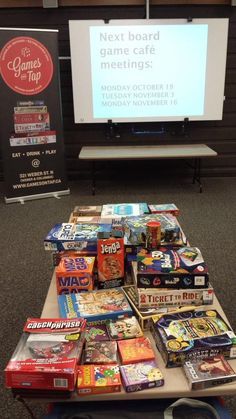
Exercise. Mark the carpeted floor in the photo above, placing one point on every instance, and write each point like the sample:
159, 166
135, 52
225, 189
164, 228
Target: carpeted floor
208, 220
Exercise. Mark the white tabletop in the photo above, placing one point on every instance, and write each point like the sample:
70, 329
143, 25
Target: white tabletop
146, 152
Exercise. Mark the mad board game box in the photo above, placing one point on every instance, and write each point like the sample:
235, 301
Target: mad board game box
95, 305
47, 355
191, 335
70, 236
141, 376
167, 268
98, 379
75, 274
208, 372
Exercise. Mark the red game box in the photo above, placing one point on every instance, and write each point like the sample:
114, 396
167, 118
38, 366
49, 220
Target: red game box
47, 354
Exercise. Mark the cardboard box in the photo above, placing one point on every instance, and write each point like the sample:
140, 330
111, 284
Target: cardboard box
47, 355
75, 274
98, 379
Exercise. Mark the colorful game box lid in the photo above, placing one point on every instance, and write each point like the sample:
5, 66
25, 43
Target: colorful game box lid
141, 376
169, 268
96, 331
124, 210
165, 261
70, 236
135, 350
208, 372
164, 208
171, 232
192, 334
100, 352
98, 379
95, 305
126, 328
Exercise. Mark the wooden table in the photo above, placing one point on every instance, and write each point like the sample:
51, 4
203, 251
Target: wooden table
175, 382
149, 152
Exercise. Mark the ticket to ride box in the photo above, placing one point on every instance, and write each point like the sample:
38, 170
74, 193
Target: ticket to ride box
75, 274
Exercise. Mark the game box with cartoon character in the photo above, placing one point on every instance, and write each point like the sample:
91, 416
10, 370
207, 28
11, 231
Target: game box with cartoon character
192, 334
167, 268
95, 305
141, 376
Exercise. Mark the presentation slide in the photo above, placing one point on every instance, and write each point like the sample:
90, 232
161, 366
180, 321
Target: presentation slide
148, 70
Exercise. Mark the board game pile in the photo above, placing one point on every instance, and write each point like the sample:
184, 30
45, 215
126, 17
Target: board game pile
123, 271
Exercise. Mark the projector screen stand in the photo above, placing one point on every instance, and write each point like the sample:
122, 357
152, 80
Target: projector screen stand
112, 130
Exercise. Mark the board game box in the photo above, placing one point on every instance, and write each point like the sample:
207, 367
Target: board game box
96, 331
47, 355
141, 376
75, 274
95, 305
144, 315
104, 352
98, 379
208, 372
168, 268
70, 236
171, 232
164, 297
126, 328
124, 210
135, 350
87, 210
110, 260
164, 208
192, 335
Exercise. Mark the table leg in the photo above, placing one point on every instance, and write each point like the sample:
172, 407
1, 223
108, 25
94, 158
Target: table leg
197, 172
93, 177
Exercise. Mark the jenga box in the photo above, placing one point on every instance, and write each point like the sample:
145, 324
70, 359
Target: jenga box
75, 274
110, 259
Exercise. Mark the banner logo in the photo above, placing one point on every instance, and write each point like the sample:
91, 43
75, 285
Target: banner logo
26, 65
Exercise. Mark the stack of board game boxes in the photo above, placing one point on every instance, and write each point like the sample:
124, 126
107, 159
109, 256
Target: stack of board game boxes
122, 269
31, 122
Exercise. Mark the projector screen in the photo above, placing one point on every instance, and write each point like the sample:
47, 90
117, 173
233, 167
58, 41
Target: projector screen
148, 70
